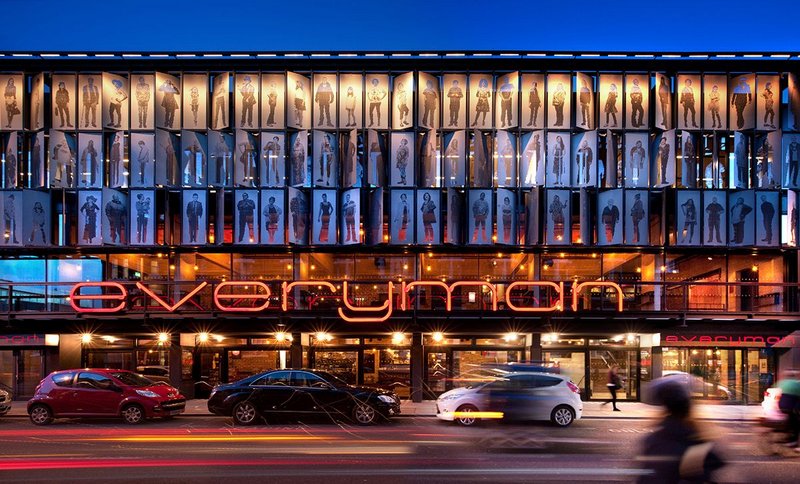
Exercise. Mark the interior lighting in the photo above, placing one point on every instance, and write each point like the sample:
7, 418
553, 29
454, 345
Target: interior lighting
202, 337
280, 336
398, 338
437, 337
86, 338
163, 337
754, 268
509, 337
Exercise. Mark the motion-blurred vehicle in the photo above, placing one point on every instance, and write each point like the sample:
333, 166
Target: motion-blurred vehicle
103, 393
293, 393
518, 396
698, 386
5, 402
154, 372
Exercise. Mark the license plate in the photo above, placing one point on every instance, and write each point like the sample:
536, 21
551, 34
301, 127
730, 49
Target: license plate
175, 412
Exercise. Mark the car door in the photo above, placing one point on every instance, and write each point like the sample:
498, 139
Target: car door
273, 392
61, 396
315, 395
95, 394
547, 394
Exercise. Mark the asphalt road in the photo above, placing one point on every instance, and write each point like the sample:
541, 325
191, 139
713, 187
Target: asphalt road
421, 449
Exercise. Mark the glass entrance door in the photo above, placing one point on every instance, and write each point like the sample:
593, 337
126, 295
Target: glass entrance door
29, 372
437, 377
601, 361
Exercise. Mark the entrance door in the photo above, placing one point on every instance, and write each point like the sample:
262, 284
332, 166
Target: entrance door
21, 371
601, 361
437, 373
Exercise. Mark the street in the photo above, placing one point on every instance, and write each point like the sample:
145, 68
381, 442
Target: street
418, 449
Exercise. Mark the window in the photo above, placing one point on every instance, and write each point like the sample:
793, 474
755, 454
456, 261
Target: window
275, 378
64, 379
304, 379
94, 381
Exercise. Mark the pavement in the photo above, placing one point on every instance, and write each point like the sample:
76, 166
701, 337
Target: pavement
427, 408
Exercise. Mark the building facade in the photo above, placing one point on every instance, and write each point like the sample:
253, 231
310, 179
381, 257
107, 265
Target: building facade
401, 220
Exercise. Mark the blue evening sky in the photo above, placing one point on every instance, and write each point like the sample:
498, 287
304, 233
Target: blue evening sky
256, 26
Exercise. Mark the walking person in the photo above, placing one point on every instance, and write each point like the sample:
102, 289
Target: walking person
614, 384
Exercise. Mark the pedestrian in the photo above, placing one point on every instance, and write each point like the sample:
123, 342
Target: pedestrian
676, 451
614, 384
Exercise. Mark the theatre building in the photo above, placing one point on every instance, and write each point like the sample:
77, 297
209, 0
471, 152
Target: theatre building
401, 220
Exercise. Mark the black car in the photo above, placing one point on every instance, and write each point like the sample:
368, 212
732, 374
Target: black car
295, 393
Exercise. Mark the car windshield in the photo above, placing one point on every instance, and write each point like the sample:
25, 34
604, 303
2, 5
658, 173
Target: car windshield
132, 379
330, 378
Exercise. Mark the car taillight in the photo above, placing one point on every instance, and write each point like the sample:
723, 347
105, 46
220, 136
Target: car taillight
573, 387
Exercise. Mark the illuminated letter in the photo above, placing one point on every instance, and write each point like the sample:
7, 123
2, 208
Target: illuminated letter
576, 289
218, 298
559, 306
288, 287
75, 296
479, 284
387, 306
163, 303
404, 289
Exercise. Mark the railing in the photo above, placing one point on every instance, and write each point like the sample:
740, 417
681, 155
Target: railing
673, 297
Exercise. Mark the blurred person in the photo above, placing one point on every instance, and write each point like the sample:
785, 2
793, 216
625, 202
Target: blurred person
789, 403
614, 384
676, 451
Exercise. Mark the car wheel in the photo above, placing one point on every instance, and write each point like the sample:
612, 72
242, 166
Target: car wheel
133, 414
364, 414
41, 415
562, 416
245, 413
464, 418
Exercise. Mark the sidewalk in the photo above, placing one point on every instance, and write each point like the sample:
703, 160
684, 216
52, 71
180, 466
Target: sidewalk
427, 408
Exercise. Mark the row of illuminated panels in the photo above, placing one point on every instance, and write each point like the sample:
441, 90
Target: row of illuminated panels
657, 281
453, 159
255, 100
328, 217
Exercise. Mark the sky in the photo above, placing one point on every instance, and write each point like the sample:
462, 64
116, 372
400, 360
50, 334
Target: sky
266, 26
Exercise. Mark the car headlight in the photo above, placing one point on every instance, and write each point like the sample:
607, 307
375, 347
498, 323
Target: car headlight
385, 398
147, 393
452, 396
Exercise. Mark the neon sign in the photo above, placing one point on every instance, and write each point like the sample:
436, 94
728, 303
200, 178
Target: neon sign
228, 301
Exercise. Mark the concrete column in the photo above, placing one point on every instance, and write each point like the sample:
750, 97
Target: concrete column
417, 367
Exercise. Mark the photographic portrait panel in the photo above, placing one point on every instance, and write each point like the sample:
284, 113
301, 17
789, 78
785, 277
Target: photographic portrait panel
715, 102
584, 160
298, 216
637, 160
194, 214
63, 99
662, 173
324, 217
142, 217
479, 216
11, 205
194, 156
455, 165
36, 118
506, 216
558, 217
115, 105
455, 216
350, 224
37, 219
351, 101
245, 159
768, 102
36, 160
273, 217
63, 153
611, 101
168, 101
90, 160
401, 164
428, 101
609, 217
90, 217
325, 99
273, 101
220, 101
688, 231
767, 166
743, 101
246, 95
715, 218
507, 100
299, 158
430, 217
272, 164
299, 96
377, 101
559, 101
117, 157
663, 101
352, 166
584, 110
246, 229
505, 144
403, 101
637, 218
558, 159
532, 166
454, 101
195, 98
325, 164
143, 101
220, 154
480, 101
429, 159
688, 90
401, 224
532, 90
768, 215
741, 218
637, 101
115, 228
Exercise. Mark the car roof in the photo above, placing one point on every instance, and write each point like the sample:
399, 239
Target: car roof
98, 370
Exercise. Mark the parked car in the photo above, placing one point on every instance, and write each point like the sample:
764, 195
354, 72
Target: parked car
294, 393
103, 393
155, 373
698, 386
519, 396
5, 402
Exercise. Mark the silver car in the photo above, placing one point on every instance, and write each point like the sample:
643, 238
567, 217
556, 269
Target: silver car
517, 396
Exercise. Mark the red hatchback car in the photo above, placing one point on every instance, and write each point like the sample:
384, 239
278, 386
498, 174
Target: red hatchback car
103, 393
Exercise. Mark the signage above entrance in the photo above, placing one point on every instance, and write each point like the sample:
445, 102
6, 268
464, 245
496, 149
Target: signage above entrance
256, 296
